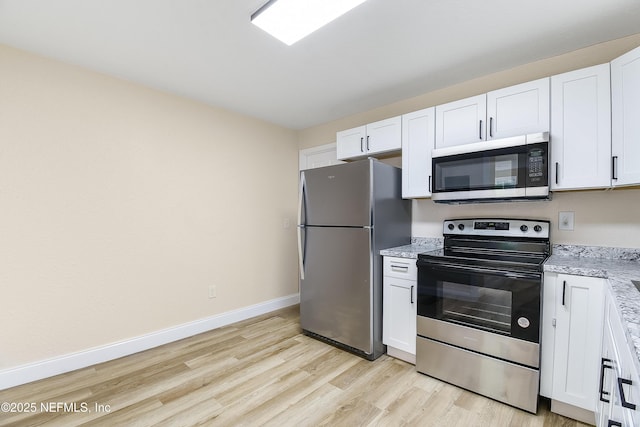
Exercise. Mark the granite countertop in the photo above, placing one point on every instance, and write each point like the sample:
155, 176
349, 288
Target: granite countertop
620, 269
417, 246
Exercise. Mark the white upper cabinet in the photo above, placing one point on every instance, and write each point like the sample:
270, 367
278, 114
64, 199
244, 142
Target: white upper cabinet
375, 138
581, 129
384, 136
518, 110
625, 118
512, 111
350, 142
418, 136
461, 122
317, 157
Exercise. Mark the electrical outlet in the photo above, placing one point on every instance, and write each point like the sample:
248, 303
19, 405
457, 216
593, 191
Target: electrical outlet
212, 291
565, 221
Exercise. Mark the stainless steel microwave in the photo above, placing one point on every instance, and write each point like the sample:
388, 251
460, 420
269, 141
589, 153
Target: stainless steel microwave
514, 168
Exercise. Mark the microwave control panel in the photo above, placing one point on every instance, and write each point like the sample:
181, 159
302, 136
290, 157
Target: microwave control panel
537, 169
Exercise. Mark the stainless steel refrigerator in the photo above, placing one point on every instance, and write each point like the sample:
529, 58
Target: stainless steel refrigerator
348, 213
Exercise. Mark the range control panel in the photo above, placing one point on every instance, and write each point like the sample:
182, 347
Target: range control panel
497, 227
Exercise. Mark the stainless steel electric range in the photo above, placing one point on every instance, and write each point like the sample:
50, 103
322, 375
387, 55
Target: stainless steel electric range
479, 308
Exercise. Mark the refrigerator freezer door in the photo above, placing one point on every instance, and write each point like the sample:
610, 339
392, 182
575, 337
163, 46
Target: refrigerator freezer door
337, 195
336, 292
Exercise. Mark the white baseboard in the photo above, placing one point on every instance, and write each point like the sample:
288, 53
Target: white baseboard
570, 411
12, 377
401, 354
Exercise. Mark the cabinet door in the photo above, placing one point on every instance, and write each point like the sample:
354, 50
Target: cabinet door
351, 143
625, 122
548, 333
629, 388
581, 129
418, 135
519, 109
318, 157
384, 136
578, 341
461, 122
625, 399
399, 314
605, 397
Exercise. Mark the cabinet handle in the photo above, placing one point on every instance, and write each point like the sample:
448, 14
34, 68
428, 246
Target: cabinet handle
614, 167
362, 145
612, 423
603, 366
564, 289
557, 172
367, 142
429, 183
625, 404
480, 130
491, 127
403, 268
412, 286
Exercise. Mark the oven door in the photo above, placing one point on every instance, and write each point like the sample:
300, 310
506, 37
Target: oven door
492, 300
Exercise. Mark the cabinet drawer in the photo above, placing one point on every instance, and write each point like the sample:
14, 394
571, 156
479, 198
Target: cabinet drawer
401, 268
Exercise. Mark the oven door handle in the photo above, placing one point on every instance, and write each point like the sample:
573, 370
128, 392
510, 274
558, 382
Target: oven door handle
477, 270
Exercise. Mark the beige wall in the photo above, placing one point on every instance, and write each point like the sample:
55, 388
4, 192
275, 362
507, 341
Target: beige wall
120, 205
602, 218
607, 218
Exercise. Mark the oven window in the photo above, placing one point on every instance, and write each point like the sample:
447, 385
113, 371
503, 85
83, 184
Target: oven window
478, 173
484, 308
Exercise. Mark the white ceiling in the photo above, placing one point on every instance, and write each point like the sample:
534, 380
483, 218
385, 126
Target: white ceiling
381, 52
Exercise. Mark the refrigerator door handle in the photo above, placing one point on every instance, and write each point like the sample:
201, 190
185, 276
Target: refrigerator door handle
301, 226
300, 252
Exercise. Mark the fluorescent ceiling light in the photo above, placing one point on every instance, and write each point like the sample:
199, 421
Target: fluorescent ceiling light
291, 20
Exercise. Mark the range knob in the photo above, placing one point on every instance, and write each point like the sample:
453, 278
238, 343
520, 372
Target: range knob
460, 227
524, 228
450, 226
537, 228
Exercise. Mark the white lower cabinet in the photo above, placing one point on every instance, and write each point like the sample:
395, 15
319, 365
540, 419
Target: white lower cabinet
619, 387
573, 311
399, 307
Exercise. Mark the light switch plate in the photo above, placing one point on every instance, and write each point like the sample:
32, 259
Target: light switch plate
565, 221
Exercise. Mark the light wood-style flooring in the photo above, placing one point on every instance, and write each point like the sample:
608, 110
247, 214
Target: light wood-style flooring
259, 372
